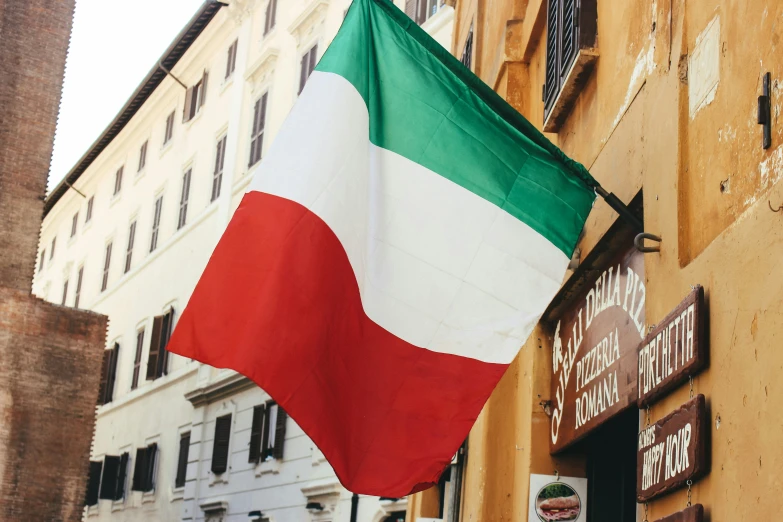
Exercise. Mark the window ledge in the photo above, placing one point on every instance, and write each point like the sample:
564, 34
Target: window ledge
139, 174
92, 511
177, 494
118, 505
148, 496
192, 120
572, 86
115, 198
214, 480
165, 147
267, 467
227, 82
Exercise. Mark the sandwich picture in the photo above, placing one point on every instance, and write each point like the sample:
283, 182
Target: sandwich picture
556, 502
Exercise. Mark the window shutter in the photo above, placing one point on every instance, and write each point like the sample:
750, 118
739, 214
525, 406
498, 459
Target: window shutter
280, 433
104, 376
122, 474
220, 444
421, 12
568, 37
149, 475
165, 334
182, 461
187, 113
303, 72
203, 97
410, 8
137, 358
552, 78
313, 54
139, 468
152, 358
111, 468
93, 483
256, 432
111, 376
266, 450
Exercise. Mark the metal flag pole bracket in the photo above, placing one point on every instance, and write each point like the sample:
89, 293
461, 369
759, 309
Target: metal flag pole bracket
622, 209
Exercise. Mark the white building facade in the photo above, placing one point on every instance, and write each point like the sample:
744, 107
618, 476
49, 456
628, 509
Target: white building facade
128, 233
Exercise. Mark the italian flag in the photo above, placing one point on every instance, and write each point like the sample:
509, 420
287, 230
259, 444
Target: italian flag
394, 250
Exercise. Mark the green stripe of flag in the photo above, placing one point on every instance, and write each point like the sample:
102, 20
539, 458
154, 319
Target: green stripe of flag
426, 106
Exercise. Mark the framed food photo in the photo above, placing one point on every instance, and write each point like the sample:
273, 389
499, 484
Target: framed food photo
557, 499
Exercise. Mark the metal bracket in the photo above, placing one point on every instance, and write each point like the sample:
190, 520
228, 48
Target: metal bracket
638, 242
764, 113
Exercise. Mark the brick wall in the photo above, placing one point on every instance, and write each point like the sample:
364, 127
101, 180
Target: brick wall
34, 38
49, 377
50, 356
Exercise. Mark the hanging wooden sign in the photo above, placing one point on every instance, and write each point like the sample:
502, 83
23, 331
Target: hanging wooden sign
674, 350
594, 357
693, 513
673, 451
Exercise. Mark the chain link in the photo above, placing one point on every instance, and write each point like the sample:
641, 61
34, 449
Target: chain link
646, 505
648, 415
691, 382
690, 483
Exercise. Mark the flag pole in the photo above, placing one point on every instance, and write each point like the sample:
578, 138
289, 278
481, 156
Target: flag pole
621, 208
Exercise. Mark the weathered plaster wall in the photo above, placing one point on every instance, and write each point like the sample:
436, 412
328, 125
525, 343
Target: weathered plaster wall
670, 108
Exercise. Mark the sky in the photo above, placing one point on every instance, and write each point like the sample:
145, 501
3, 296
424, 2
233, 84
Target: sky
113, 46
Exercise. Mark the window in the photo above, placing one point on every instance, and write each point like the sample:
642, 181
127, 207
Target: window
257, 132
137, 359
74, 223
570, 55
231, 59
88, 215
106, 264
156, 223
129, 251
144, 468
169, 128
93, 483
157, 361
51, 252
421, 10
65, 292
43, 258
307, 66
220, 444
182, 461
217, 176
195, 98
183, 200
109, 374
143, 155
271, 13
267, 433
115, 471
118, 180
78, 292
467, 52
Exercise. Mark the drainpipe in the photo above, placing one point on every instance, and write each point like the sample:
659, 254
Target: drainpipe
354, 507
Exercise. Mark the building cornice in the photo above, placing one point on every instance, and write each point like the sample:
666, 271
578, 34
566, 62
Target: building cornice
223, 386
154, 78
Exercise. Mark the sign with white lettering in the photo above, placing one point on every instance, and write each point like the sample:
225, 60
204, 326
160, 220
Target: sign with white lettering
675, 350
695, 513
594, 356
672, 451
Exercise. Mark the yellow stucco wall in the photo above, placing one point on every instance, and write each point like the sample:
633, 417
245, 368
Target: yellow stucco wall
706, 182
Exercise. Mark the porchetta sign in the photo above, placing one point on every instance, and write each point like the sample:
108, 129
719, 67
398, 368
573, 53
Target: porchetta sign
594, 362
